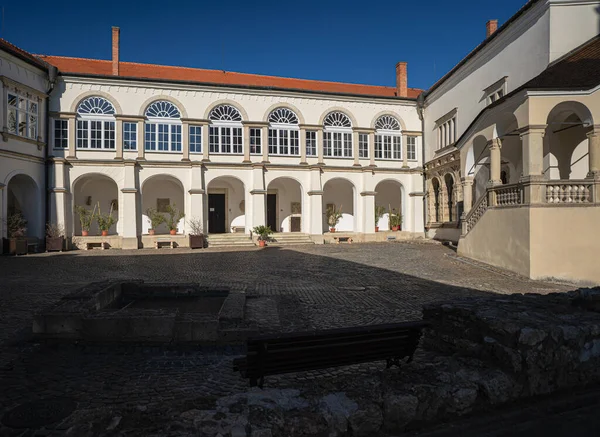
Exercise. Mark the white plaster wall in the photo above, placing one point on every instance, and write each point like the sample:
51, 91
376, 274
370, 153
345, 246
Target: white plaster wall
572, 24
288, 191
389, 195
102, 190
235, 193
342, 193
161, 187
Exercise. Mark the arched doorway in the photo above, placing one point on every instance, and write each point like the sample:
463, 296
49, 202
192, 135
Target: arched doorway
450, 196
340, 193
389, 195
96, 191
158, 193
226, 205
285, 206
435, 185
23, 197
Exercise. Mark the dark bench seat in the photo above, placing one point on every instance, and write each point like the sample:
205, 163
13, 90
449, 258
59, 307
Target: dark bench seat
295, 352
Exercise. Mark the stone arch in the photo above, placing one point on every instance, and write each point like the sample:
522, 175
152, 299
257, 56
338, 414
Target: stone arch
393, 114
233, 103
340, 191
90, 189
81, 97
344, 111
288, 192
291, 107
450, 197
173, 100
154, 191
228, 215
387, 197
24, 196
436, 200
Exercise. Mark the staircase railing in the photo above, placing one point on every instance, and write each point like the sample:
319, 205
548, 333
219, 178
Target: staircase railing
475, 214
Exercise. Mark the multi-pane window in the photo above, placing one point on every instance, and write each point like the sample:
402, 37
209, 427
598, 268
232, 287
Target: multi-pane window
225, 132
311, 143
447, 132
61, 134
255, 141
129, 136
411, 148
363, 145
337, 135
95, 124
388, 138
195, 139
163, 127
22, 116
284, 136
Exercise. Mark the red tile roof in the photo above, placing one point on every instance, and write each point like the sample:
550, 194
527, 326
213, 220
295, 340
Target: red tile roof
22, 54
134, 70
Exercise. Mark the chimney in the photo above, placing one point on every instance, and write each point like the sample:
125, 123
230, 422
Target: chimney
401, 80
115, 50
491, 27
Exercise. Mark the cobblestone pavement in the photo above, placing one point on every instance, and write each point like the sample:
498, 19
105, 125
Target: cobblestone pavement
289, 289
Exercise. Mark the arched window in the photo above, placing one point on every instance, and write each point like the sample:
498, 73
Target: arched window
163, 127
449, 180
388, 138
436, 198
225, 133
284, 133
95, 124
337, 135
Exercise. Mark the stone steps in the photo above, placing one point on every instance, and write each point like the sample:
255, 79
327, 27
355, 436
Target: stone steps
229, 240
290, 239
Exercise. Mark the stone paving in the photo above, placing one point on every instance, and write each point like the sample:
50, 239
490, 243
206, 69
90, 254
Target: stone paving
289, 289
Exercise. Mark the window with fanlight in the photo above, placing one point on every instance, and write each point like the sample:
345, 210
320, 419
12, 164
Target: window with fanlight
225, 130
337, 135
163, 127
95, 124
388, 138
284, 133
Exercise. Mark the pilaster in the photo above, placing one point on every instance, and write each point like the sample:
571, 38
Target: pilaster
185, 141
246, 143
72, 152
372, 149
532, 140
128, 207
119, 139
320, 143
404, 151
368, 211
594, 153
467, 188
141, 137
205, 143
355, 148
265, 143
302, 146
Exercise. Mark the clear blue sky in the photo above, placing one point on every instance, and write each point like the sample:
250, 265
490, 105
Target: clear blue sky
349, 41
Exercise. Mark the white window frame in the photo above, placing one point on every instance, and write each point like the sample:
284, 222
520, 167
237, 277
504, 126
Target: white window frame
363, 140
339, 138
254, 135
19, 112
136, 140
66, 130
95, 118
197, 143
290, 131
221, 125
416, 153
495, 91
391, 138
447, 133
155, 123
312, 151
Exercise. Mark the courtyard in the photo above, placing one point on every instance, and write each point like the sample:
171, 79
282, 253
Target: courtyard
288, 289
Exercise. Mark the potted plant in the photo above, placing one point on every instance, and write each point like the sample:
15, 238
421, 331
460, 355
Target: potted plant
55, 237
17, 227
333, 217
196, 234
86, 217
379, 212
156, 219
174, 216
395, 220
263, 233
105, 221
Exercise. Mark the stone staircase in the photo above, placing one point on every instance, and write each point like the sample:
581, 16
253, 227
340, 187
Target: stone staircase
289, 239
229, 240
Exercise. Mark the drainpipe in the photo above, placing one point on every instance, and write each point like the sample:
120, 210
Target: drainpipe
52, 76
420, 112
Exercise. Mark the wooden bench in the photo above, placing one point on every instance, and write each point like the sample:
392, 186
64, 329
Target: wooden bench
158, 241
339, 240
295, 352
91, 244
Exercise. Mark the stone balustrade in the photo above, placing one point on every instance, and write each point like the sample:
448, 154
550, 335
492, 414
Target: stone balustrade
569, 191
509, 195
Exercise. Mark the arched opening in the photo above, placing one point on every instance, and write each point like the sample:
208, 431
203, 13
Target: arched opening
285, 205
95, 124
389, 195
158, 193
163, 127
435, 185
511, 152
478, 166
566, 145
23, 197
99, 192
450, 197
388, 138
284, 133
337, 135
226, 205
225, 130
340, 193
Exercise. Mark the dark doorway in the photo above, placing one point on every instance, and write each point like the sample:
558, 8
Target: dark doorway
295, 224
272, 212
216, 213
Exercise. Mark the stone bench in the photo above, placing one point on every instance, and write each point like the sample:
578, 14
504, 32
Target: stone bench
339, 240
91, 244
162, 240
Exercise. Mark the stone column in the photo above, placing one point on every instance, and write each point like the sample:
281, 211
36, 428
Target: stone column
2, 210
368, 209
141, 143
128, 214
315, 206
258, 198
467, 188
197, 198
58, 196
303, 147
72, 153
355, 148
185, 141
265, 143
404, 151
594, 153
372, 149
246, 144
320, 143
205, 143
495, 147
532, 141
119, 139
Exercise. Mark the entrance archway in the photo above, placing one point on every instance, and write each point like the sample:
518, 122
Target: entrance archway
340, 193
284, 205
158, 192
23, 197
96, 190
389, 195
226, 205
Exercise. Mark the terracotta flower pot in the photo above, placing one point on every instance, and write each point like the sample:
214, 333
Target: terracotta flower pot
173, 231
150, 231
262, 243
104, 233
376, 228
84, 233
332, 230
394, 228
